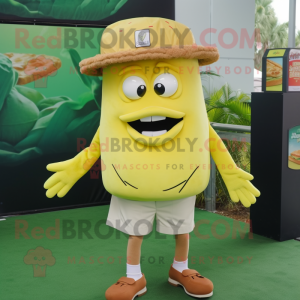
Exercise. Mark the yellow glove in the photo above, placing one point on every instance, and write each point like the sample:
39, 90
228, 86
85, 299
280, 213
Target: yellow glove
70, 171
236, 180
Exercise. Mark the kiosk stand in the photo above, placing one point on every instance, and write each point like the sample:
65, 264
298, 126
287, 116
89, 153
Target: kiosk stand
275, 146
275, 121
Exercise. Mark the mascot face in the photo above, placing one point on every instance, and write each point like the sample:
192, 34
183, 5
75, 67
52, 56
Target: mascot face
154, 130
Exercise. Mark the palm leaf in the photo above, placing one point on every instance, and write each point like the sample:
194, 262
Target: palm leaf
226, 106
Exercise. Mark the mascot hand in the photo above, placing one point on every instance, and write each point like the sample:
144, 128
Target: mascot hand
67, 174
239, 186
70, 171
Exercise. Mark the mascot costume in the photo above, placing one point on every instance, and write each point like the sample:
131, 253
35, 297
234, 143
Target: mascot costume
154, 118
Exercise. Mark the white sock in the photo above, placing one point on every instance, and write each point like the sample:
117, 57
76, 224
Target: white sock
134, 271
180, 265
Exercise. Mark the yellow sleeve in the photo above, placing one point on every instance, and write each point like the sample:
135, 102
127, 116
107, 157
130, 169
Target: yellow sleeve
218, 150
88, 156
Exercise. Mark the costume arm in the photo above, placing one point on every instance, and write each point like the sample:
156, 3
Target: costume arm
219, 152
70, 171
236, 180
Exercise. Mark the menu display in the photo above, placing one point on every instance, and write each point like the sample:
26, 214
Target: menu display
294, 70
294, 148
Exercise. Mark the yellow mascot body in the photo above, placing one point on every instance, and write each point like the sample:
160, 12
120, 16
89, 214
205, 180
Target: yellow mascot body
154, 132
155, 143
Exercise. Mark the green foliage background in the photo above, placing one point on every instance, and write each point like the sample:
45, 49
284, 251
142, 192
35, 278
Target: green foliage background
62, 9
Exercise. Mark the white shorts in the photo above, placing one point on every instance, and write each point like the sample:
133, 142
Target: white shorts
137, 217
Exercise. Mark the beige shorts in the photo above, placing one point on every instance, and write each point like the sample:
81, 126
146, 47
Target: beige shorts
137, 217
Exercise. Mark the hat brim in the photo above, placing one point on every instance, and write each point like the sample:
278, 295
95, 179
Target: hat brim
93, 66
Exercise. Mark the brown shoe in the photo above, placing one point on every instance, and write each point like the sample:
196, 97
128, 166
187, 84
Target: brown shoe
193, 283
126, 289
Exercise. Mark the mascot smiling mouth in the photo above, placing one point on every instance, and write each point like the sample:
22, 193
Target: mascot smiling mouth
154, 125
159, 122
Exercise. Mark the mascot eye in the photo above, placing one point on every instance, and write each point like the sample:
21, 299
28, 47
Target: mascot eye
165, 85
134, 87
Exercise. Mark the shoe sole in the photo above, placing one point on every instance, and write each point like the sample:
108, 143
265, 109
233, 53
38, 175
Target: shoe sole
140, 293
176, 283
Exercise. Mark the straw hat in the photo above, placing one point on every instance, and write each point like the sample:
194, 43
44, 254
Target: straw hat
146, 38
